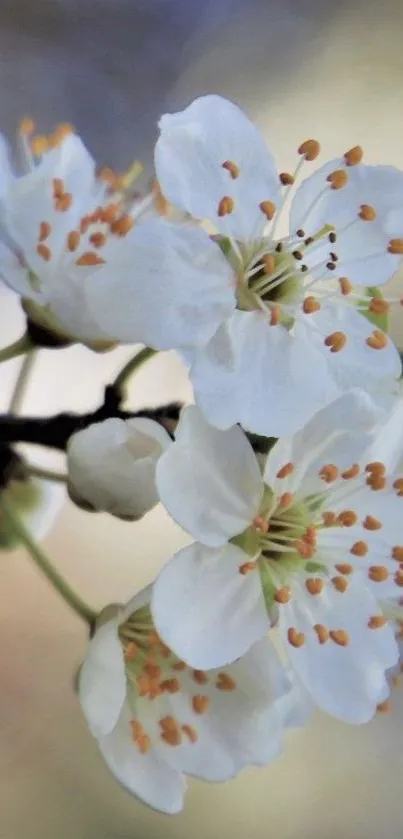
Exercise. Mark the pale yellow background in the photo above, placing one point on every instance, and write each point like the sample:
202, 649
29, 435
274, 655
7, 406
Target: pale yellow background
306, 68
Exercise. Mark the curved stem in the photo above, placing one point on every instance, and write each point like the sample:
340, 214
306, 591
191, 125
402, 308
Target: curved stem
56, 580
45, 474
19, 347
22, 381
132, 366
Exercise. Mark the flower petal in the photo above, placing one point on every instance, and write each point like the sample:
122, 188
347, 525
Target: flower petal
261, 376
143, 775
102, 680
168, 286
205, 609
345, 679
189, 156
362, 248
209, 480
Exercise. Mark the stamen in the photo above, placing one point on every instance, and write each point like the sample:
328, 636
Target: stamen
179, 666
247, 567
200, 704
44, 252
376, 467
232, 168
376, 481
283, 595
378, 306
122, 225
340, 637
371, 523
352, 472
336, 341
225, 206
329, 473
347, 518
395, 246
384, 707
285, 499
345, 285
225, 682
399, 578
367, 213
268, 208
314, 585
275, 315
359, 548
58, 187
310, 305
26, 127
90, 258
337, 179
44, 230
398, 486
378, 573
329, 519
310, 149
64, 203
39, 145
354, 156
377, 621
285, 470
340, 584
170, 686
397, 553
344, 568
98, 239
171, 732
378, 340
286, 179
296, 639
322, 633
269, 263
73, 240
200, 677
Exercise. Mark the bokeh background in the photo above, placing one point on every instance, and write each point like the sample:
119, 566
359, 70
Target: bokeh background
300, 68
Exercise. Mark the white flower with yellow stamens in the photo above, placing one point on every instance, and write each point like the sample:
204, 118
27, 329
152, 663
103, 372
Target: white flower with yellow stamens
155, 718
315, 546
88, 270
295, 338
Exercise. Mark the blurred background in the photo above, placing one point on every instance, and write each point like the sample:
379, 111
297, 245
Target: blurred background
300, 68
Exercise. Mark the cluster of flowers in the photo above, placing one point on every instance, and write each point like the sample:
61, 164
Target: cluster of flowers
288, 469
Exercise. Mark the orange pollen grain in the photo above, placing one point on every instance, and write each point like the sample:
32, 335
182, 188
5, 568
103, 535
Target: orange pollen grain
310, 535
152, 670
131, 650
398, 486
376, 467
379, 306
39, 145
303, 548
90, 258
344, 568
26, 127
378, 573
247, 567
275, 316
377, 340
352, 472
347, 518
200, 677
73, 240
339, 637
310, 305
225, 206
345, 285
395, 246
179, 666
58, 187
399, 578
310, 149
283, 595
136, 729
200, 704
108, 176
397, 553
340, 584
336, 341
64, 203
285, 470
144, 744
109, 213
269, 263
122, 225
44, 230
376, 481
322, 633
44, 252
329, 473
286, 499
354, 156
371, 523
296, 639
171, 736
367, 213
97, 239
225, 682
232, 168
328, 518
268, 208
170, 686
286, 179
84, 224
190, 733
337, 179
376, 622
314, 585
359, 549
384, 707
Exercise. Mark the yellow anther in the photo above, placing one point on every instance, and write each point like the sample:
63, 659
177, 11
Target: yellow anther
397, 553
285, 499
347, 518
225, 682
379, 306
44, 252
398, 486
337, 179
311, 304
377, 621
371, 523
359, 548
283, 595
26, 127
329, 473
344, 568
395, 246
285, 470
345, 285
340, 584
73, 240
64, 203
39, 145
296, 639
352, 472
322, 633
378, 573
200, 677
329, 518
286, 178
367, 213
336, 341
190, 732
310, 149
122, 225
225, 206
98, 240
354, 156
232, 168
268, 208
247, 567
339, 637
44, 230
314, 585
90, 258
200, 704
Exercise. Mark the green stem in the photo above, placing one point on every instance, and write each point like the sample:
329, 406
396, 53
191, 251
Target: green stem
133, 366
19, 347
56, 580
45, 474
22, 381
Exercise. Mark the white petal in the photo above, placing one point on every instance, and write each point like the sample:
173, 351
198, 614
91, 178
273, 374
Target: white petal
209, 480
13, 274
387, 445
345, 681
205, 609
261, 376
102, 680
143, 775
168, 286
40, 518
362, 249
189, 158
